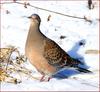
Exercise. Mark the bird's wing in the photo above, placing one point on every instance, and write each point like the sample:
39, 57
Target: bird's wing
57, 57
54, 54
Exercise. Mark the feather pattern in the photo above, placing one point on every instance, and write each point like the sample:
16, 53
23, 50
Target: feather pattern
56, 56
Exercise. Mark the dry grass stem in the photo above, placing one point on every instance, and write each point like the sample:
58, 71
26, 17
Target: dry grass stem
10, 66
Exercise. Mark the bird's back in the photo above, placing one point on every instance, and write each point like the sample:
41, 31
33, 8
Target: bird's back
56, 56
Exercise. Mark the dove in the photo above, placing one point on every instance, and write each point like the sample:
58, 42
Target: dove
45, 54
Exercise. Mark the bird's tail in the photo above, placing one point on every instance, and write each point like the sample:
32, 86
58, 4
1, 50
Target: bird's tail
76, 63
83, 70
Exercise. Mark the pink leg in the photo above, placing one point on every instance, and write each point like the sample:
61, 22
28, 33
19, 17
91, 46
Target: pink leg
49, 79
42, 78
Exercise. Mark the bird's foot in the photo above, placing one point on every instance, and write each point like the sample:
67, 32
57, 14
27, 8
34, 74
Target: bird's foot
45, 79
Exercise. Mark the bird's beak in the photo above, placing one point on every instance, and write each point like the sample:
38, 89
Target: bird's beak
29, 17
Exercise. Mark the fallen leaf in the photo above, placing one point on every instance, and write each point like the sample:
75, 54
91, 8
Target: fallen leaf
62, 37
49, 17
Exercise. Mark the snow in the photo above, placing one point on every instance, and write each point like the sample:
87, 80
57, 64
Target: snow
14, 30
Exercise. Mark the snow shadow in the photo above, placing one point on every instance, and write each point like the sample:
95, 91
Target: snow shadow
74, 53
65, 73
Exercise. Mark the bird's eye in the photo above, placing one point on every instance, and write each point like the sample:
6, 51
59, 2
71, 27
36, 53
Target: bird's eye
33, 17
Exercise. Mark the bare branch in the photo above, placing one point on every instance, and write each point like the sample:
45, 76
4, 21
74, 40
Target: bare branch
28, 4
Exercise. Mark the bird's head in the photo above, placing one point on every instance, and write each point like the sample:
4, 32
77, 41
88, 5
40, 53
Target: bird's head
35, 18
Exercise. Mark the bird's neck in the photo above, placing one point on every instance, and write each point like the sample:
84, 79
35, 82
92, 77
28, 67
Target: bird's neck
34, 31
34, 35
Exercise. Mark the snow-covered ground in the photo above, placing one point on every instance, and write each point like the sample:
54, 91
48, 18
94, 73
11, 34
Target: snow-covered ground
14, 30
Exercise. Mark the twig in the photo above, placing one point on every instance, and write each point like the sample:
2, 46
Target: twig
12, 50
90, 4
24, 71
90, 51
28, 4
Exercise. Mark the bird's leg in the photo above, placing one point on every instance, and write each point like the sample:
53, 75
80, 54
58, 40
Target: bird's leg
49, 79
44, 78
